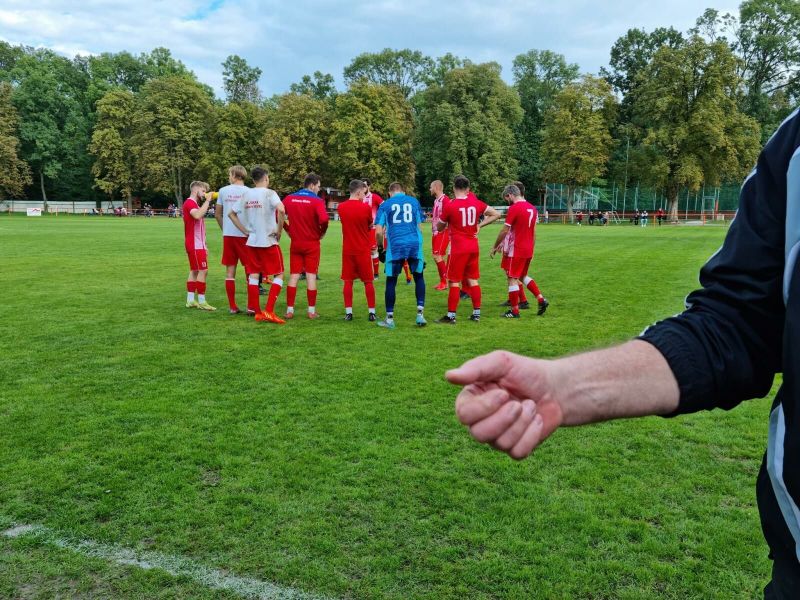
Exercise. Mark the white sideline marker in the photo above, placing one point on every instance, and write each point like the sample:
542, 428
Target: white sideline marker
174, 565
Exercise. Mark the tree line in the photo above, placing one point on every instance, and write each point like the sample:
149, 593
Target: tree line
672, 110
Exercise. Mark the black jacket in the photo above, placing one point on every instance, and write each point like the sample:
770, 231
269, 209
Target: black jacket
743, 327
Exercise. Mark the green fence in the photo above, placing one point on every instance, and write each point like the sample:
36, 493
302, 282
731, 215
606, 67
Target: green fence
708, 199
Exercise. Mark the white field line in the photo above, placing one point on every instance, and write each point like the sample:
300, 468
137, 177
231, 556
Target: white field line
174, 565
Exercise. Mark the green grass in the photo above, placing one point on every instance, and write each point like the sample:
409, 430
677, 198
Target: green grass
325, 455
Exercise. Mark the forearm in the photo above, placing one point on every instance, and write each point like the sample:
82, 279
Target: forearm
218, 215
379, 235
235, 220
630, 380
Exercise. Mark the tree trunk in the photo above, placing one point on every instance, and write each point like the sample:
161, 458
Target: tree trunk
44, 195
570, 214
672, 203
129, 202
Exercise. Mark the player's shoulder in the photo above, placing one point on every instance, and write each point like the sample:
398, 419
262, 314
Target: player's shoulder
190, 202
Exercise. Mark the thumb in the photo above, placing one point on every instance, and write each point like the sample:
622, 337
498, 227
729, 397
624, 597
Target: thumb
489, 367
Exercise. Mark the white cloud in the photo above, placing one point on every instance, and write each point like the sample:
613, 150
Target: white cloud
290, 39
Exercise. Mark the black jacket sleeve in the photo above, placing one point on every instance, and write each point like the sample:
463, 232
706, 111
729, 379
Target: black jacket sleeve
726, 346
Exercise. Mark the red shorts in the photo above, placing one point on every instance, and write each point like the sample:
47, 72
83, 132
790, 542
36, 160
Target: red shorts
518, 267
304, 257
440, 241
463, 266
234, 250
198, 260
267, 261
505, 262
357, 266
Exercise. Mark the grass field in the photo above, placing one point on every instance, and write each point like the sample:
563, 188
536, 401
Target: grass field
324, 456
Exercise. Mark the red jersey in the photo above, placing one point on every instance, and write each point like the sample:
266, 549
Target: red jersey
521, 219
373, 200
306, 214
194, 230
438, 206
462, 215
356, 218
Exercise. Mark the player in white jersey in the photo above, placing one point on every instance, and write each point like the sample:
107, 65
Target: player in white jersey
260, 214
234, 250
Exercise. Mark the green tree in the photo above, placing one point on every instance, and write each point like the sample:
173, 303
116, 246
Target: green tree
49, 95
370, 136
236, 138
538, 76
576, 139
408, 70
240, 80
296, 141
695, 131
467, 126
114, 168
170, 130
321, 87
14, 172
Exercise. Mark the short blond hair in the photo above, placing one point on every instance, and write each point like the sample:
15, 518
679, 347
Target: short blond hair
200, 184
237, 171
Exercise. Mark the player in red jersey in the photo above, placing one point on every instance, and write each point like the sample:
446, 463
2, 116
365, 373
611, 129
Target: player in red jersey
373, 200
508, 243
194, 234
234, 242
358, 236
260, 214
307, 222
521, 223
440, 239
462, 216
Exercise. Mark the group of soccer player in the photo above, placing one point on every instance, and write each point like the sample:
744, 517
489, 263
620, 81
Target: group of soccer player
253, 219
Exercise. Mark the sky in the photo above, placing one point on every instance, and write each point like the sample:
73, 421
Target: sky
290, 39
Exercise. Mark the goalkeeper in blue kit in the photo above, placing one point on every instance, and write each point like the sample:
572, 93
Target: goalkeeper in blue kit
399, 220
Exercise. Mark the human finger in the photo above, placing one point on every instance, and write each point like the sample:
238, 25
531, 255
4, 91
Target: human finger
493, 426
475, 403
489, 367
512, 435
529, 440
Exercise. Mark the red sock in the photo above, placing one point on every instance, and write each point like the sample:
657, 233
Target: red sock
230, 289
191, 286
441, 267
274, 292
513, 300
369, 289
312, 298
534, 288
253, 299
452, 299
475, 294
201, 287
291, 295
406, 270
376, 266
522, 296
348, 294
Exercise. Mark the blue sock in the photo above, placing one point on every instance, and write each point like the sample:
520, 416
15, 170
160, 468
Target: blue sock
390, 294
419, 288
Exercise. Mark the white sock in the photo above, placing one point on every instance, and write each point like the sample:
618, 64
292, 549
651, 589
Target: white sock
476, 311
452, 315
390, 316
420, 309
311, 309
372, 311
348, 310
290, 309
201, 298
190, 296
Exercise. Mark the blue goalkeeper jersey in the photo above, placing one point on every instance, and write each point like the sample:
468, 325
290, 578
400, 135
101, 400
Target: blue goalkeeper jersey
401, 216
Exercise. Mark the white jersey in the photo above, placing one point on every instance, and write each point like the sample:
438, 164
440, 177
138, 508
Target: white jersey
228, 197
256, 211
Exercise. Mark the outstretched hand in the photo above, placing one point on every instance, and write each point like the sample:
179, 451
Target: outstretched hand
508, 401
